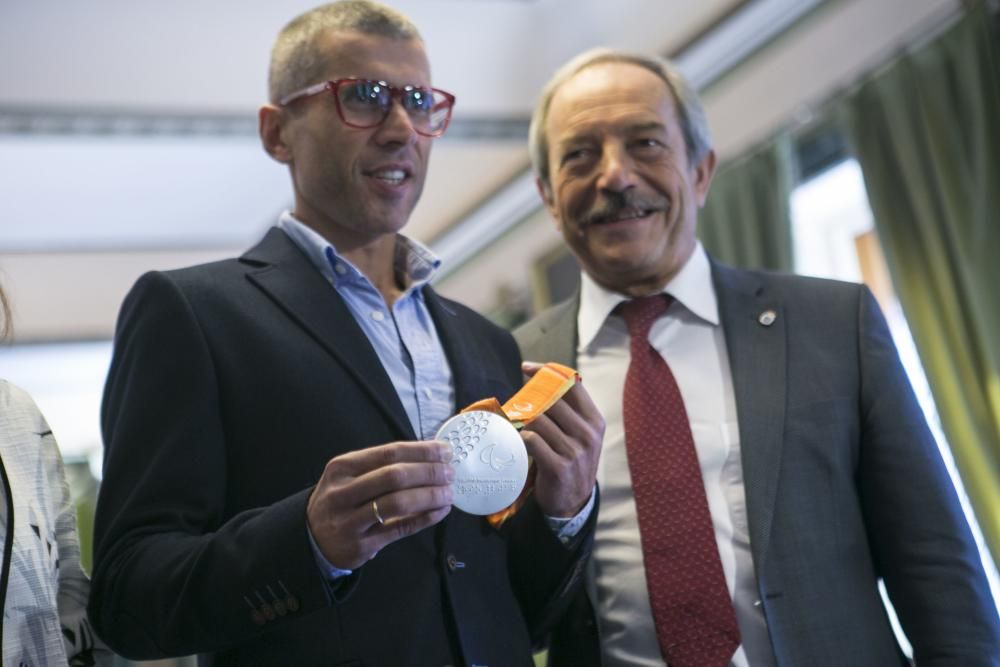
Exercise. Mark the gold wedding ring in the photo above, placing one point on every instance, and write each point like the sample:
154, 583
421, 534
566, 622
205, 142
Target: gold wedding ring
378, 517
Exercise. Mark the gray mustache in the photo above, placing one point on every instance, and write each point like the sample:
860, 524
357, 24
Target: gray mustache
613, 204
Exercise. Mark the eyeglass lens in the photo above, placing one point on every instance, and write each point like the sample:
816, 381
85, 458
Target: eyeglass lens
366, 103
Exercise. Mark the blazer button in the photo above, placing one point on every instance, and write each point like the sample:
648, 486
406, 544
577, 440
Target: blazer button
291, 603
454, 563
767, 317
280, 608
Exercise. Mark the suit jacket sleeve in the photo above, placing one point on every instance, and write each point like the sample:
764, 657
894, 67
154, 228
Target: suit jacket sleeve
546, 573
164, 485
919, 537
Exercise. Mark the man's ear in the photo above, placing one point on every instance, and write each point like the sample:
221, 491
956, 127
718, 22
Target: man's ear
270, 126
545, 191
704, 171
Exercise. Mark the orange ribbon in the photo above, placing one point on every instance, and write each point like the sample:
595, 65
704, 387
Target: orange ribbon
540, 393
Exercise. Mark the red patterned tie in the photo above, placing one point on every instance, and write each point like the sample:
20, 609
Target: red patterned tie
692, 610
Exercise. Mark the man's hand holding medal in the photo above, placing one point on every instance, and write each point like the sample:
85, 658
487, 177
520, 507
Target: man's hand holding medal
370, 498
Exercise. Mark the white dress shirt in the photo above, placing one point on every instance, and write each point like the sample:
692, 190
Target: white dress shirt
690, 339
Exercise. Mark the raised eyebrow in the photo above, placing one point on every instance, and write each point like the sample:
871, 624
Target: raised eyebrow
635, 128
574, 141
652, 126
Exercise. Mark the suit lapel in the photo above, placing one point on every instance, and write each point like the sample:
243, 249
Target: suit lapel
285, 274
456, 346
757, 359
466, 371
555, 338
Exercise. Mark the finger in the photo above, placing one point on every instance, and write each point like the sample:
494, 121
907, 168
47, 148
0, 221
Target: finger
540, 450
568, 431
529, 368
580, 426
344, 469
348, 532
367, 546
579, 400
552, 435
357, 463
396, 477
410, 502
565, 417
396, 529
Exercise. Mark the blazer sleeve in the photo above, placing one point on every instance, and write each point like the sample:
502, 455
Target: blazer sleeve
920, 540
162, 541
546, 574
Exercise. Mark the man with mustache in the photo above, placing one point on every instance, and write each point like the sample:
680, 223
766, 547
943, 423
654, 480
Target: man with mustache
765, 463
273, 493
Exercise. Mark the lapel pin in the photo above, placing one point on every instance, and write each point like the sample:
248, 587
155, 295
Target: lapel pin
767, 318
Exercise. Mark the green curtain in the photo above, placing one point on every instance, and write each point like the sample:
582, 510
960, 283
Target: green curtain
926, 132
746, 220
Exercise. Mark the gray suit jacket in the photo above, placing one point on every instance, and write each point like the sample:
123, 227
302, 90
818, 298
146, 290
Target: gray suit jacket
844, 483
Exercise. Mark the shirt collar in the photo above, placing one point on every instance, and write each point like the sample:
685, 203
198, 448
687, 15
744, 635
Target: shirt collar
692, 288
413, 259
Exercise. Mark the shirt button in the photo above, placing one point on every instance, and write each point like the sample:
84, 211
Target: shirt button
378, 315
428, 393
454, 563
340, 269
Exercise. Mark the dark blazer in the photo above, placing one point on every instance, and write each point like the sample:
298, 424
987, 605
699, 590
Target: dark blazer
844, 483
232, 385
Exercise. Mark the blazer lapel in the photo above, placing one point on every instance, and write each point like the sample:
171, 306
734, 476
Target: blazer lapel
554, 336
280, 269
465, 371
757, 359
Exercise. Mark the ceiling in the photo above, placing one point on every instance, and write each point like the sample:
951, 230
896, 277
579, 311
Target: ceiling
203, 61
127, 127
212, 55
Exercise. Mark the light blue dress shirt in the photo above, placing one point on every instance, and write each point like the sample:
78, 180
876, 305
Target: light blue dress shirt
403, 335
406, 341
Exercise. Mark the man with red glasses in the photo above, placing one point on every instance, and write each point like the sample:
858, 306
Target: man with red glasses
273, 493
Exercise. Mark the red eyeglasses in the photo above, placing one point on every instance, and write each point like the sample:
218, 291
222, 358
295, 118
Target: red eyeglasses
363, 103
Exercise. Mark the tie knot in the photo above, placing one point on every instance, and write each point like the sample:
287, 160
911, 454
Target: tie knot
640, 313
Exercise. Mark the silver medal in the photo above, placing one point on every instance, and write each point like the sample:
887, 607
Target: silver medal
491, 464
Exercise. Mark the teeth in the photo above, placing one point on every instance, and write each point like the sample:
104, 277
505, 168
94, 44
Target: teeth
394, 176
628, 214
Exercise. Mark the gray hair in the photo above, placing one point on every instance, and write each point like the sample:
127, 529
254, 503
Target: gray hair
694, 125
296, 59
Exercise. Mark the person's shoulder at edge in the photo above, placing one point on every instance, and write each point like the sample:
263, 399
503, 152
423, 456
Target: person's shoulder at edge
14, 401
